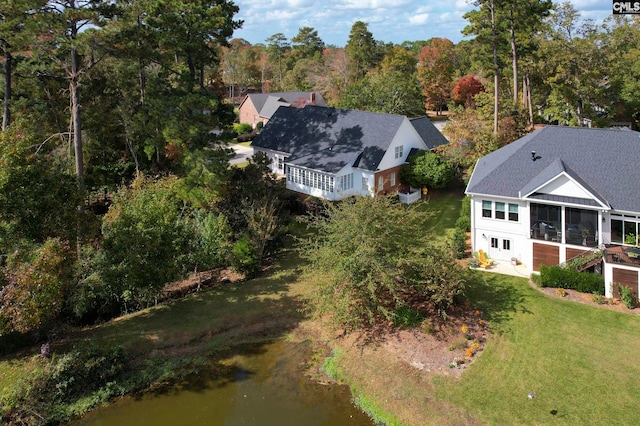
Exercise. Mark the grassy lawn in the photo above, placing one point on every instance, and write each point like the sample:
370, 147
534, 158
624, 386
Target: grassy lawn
578, 360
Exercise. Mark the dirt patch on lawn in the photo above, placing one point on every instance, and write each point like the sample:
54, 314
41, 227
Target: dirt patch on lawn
196, 282
444, 347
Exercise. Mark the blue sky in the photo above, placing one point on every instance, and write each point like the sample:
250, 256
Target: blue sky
389, 20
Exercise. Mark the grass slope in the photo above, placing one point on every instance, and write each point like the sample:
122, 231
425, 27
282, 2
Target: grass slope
579, 360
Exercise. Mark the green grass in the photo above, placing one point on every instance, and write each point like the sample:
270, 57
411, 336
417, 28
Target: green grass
247, 144
441, 212
580, 361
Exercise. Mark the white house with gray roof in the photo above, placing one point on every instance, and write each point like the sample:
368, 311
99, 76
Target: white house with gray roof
332, 153
557, 193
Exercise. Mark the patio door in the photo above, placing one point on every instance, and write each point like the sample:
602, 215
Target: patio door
500, 248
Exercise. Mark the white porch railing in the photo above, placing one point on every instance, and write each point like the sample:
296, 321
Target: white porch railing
411, 197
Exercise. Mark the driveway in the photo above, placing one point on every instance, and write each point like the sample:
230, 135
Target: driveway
242, 153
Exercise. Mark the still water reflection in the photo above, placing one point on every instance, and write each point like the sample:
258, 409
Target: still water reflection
263, 385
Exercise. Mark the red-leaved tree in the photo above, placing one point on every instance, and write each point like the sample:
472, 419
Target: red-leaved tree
465, 89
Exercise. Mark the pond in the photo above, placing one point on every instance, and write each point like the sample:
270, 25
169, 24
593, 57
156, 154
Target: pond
263, 384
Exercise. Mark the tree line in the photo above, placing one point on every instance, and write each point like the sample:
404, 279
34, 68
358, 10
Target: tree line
537, 59
123, 99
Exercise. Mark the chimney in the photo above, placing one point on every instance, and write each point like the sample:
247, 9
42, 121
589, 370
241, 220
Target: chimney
312, 98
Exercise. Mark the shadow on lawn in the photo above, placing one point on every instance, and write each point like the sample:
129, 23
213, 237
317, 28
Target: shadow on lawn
498, 297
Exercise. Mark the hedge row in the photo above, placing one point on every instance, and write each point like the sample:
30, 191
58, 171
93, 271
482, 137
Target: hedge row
559, 277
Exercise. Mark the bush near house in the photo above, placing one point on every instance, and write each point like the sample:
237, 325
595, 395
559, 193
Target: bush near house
559, 277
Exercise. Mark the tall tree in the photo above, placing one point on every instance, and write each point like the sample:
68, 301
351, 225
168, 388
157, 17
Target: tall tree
277, 46
307, 44
484, 25
240, 66
69, 44
575, 68
435, 72
362, 50
16, 21
391, 88
620, 42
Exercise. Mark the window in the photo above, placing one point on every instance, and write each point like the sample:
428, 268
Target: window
365, 183
581, 226
393, 178
399, 151
506, 245
494, 242
486, 209
310, 178
616, 231
545, 221
280, 163
499, 210
380, 183
345, 182
513, 212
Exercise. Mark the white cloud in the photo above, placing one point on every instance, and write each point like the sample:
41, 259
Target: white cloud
389, 20
420, 19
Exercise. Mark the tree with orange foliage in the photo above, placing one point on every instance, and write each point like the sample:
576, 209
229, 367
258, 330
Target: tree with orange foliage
435, 71
465, 89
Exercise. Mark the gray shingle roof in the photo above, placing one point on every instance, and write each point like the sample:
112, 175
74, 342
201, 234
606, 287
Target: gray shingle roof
267, 103
606, 162
327, 139
428, 132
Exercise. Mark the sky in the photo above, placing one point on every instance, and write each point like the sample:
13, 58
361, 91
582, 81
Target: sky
388, 20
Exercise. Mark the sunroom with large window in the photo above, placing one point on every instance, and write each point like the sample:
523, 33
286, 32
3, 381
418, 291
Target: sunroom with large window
568, 225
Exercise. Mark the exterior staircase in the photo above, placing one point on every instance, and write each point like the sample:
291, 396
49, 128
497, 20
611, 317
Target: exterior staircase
585, 260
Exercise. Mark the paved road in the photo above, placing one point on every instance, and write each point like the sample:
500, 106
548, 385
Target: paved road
242, 153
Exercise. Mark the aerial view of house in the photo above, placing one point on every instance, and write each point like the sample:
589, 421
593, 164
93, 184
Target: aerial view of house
331, 153
558, 193
259, 107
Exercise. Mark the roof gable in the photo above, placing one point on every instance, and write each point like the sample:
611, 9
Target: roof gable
600, 162
558, 180
429, 133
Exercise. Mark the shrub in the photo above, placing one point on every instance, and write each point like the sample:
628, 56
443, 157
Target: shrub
244, 258
427, 169
559, 277
406, 317
242, 128
627, 297
246, 137
212, 240
598, 298
464, 221
82, 378
36, 284
458, 243
146, 242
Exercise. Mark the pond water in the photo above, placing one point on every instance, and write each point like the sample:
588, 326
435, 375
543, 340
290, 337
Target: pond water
260, 385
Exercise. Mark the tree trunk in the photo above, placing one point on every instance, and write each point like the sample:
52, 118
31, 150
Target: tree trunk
495, 67
529, 100
6, 114
514, 59
77, 124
